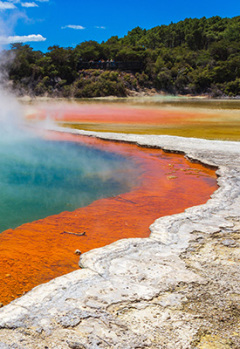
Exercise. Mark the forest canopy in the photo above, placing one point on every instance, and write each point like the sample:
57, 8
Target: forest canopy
193, 56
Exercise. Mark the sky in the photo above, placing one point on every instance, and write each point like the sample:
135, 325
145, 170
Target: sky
44, 23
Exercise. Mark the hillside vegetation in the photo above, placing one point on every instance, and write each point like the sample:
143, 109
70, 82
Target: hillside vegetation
194, 56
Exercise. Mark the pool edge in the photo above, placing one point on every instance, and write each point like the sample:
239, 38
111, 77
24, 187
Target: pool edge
116, 274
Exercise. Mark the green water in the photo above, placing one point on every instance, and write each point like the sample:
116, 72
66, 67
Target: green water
39, 178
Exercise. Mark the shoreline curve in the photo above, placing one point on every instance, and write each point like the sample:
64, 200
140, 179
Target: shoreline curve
140, 292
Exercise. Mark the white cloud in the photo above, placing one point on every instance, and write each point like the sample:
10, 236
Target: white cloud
100, 27
4, 40
6, 5
76, 27
11, 3
29, 4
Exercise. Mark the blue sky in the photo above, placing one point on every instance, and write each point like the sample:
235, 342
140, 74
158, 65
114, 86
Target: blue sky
43, 23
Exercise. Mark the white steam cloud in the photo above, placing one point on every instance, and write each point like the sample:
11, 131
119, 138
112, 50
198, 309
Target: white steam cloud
5, 40
10, 110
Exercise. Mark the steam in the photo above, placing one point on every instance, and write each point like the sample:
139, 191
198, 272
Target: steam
10, 109
39, 178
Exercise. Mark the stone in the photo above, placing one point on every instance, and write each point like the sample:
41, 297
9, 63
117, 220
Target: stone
229, 243
76, 346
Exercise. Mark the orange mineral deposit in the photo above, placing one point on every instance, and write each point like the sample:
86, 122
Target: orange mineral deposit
41, 250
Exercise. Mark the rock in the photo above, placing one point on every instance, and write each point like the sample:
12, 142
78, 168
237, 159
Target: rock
76, 345
229, 243
171, 177
78, 252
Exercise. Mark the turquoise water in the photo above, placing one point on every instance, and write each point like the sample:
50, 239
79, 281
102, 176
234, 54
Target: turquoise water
39, 178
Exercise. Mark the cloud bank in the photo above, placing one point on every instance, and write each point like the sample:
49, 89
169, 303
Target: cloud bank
6, 6
5, 40
29, 4
9, 5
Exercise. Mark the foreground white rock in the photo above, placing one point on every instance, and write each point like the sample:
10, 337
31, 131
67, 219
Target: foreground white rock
179, 288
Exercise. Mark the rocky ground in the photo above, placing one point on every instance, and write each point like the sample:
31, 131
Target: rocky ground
177, 289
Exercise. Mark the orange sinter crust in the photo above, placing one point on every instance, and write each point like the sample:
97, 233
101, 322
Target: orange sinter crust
39, 251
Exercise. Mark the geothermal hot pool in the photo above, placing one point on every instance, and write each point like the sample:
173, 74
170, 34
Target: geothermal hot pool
41, 177
56, 186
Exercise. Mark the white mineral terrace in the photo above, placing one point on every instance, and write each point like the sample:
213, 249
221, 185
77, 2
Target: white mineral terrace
179, 288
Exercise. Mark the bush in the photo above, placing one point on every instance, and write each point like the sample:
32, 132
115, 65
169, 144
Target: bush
233, 88
164, 80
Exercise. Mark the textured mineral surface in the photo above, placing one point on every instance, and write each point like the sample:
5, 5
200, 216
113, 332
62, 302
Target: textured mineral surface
177, 289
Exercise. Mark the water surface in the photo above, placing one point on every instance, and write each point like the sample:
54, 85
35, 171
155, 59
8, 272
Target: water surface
41, 177
39, 251
139, 185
